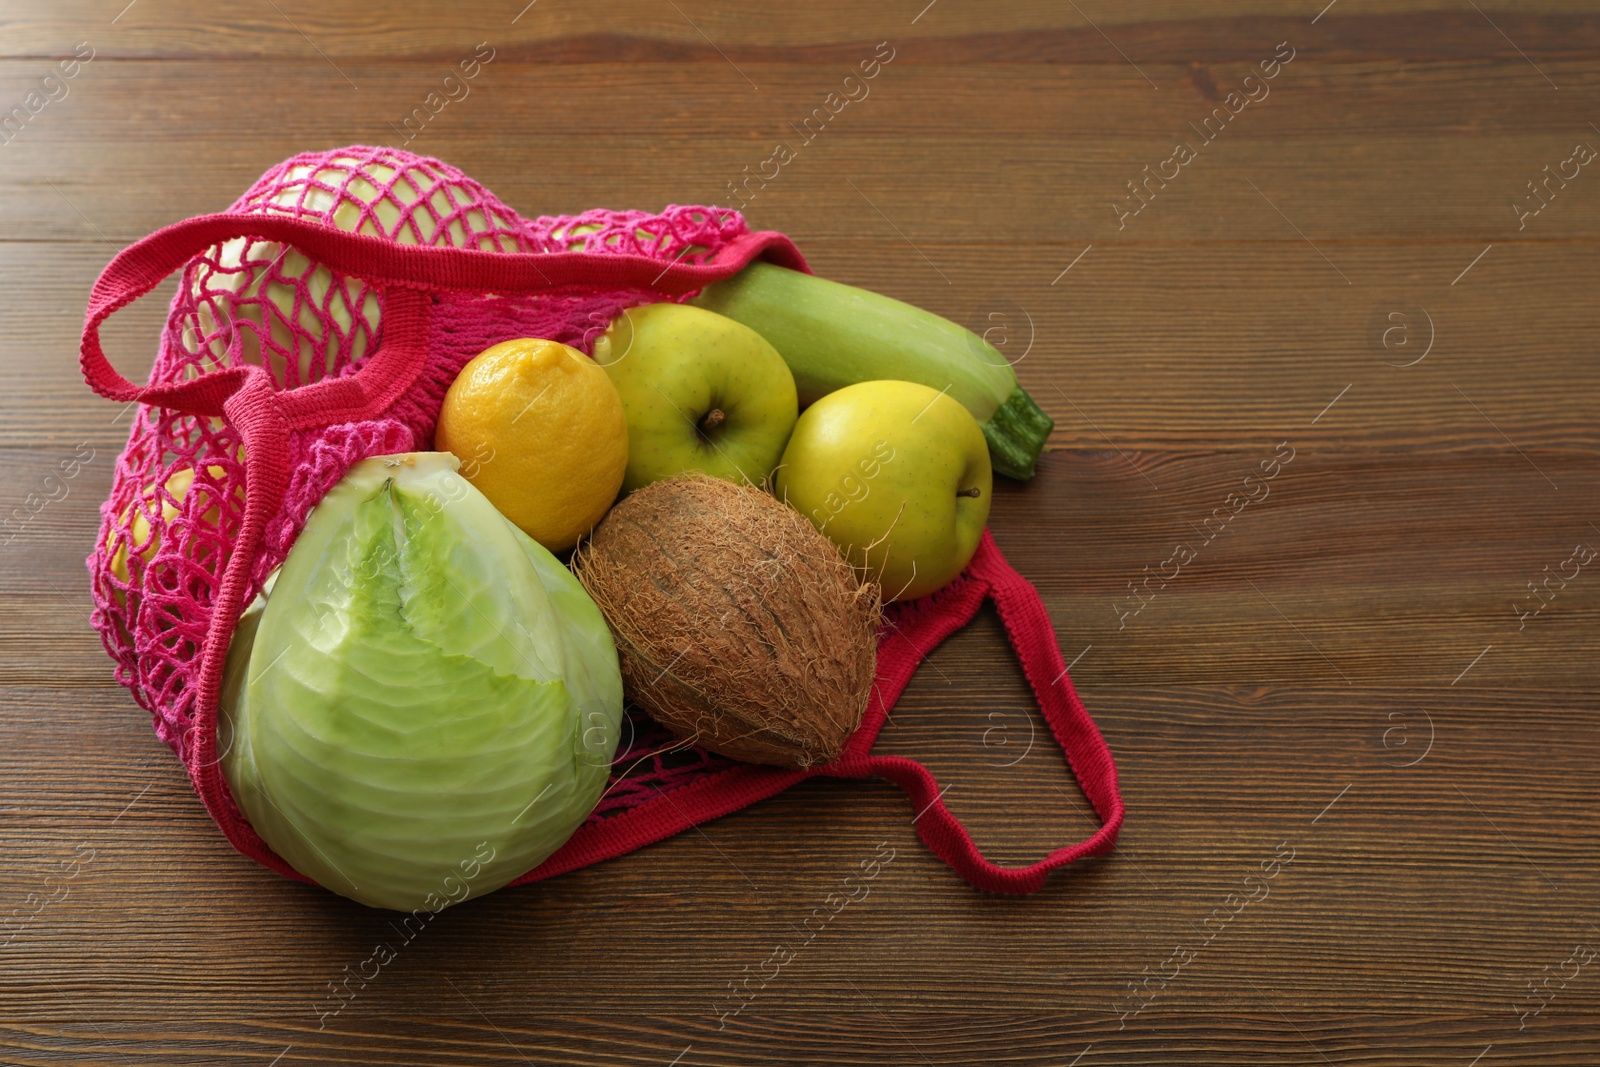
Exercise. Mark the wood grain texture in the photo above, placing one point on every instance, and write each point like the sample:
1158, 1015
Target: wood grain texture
1346, 685
1347, 151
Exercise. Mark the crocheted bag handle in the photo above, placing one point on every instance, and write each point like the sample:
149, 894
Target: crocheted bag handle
401, 269
1029, 630
1032, 636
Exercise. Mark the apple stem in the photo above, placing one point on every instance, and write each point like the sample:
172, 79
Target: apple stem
712, 420
970, 490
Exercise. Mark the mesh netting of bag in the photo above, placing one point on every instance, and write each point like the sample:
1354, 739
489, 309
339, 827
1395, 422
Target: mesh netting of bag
178, 492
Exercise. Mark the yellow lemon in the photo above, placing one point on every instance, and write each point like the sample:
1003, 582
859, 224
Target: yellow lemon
143, 540
540, 430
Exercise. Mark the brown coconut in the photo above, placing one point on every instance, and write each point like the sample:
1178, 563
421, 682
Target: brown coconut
738, 626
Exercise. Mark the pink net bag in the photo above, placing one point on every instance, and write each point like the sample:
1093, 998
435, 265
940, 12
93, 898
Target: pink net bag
319, 321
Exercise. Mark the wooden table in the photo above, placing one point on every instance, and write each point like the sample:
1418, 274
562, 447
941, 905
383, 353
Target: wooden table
1341, 726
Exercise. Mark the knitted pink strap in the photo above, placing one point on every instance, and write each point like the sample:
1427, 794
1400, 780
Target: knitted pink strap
143, 265
920, 629
1033, 638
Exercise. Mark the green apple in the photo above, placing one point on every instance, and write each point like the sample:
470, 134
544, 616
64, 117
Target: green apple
700, 392
897, 475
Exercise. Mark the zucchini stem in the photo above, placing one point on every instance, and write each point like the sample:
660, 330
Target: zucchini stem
1016, 433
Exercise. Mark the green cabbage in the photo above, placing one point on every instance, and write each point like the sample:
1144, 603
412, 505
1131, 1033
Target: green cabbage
424, 703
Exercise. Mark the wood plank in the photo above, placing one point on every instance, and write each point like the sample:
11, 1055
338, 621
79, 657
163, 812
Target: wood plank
1338, 575
1013, 156
1159, 348
1032, 31
1256, 1034
1449, 845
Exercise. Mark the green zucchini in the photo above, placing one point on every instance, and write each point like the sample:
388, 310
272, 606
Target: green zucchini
834, 335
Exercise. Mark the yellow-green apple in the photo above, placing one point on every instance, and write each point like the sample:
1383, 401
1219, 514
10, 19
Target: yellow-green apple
700, 392
897, 475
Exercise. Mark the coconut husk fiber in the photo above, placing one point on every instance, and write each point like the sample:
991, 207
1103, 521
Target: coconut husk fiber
738, 625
